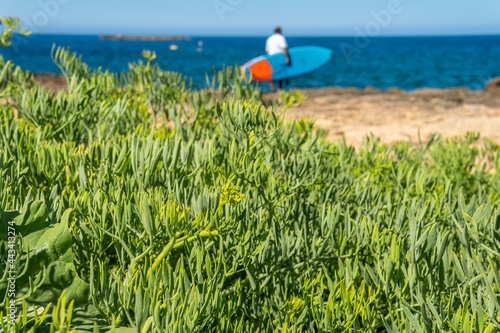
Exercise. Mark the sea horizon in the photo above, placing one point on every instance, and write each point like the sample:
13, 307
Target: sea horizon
267, 35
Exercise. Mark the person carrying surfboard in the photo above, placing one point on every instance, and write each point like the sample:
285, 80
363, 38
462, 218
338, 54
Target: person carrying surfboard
277, 44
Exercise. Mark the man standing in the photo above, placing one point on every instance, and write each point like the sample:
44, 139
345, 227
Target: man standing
277, 44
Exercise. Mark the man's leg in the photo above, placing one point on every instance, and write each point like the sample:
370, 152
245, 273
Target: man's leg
273, 86
281, 84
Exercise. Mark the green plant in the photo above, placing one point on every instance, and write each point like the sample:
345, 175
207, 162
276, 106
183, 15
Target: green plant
290, 98
12, 25
183, 210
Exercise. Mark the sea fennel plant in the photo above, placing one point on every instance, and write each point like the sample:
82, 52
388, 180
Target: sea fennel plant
181, 210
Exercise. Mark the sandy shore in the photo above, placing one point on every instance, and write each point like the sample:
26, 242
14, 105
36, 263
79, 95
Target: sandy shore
396, 115
391, 115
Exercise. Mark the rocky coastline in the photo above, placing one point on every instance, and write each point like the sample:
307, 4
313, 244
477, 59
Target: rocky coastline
391, 115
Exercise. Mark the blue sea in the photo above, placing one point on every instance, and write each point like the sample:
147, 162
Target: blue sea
384, 62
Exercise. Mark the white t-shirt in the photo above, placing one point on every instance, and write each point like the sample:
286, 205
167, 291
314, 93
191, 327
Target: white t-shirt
275, 44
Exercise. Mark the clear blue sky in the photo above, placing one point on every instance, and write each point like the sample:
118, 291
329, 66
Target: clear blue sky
257, 17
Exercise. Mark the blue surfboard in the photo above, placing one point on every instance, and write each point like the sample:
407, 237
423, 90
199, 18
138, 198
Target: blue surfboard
304, 60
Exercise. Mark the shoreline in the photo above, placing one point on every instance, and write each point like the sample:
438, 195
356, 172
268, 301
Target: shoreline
398, 115
56, 80
494, 85
392, 115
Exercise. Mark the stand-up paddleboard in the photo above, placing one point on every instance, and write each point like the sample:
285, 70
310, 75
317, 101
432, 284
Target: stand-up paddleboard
303, 60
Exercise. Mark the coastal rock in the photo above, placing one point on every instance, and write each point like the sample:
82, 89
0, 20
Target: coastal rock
50, 80
493, 86
370, 89
395, 91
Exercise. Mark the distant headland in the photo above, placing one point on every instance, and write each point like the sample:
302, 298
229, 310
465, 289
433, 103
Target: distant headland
145, 38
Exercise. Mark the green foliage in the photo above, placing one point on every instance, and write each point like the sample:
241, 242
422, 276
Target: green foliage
12, 79
149, 56
47, 265
185, 210
290, 98
11, 25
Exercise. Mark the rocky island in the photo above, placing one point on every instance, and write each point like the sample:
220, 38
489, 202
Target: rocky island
145, 38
